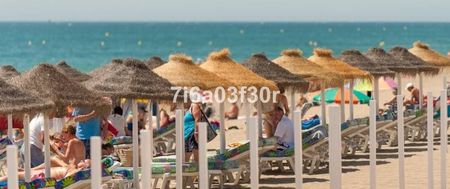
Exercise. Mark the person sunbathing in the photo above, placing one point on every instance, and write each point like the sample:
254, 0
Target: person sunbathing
75, 150
415, 95
57, 172
233, 113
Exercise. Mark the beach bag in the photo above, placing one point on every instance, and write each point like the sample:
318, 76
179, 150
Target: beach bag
211, 133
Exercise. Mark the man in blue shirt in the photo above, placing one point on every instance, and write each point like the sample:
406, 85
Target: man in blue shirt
88, 125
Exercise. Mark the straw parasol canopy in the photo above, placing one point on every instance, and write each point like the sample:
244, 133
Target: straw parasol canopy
71, 73
132, 79
46, 82
104, 68
182, 72
324, 58
404, 55
14, 100
429, 55
380, 57
154, 62
220, 63
265, 68
356, 59
7, 72
293, 61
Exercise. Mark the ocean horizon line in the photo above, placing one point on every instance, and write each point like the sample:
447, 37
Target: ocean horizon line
225, 21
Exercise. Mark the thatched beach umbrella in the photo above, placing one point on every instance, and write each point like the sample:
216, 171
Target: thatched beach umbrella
154, 62
46, 82
259, 64
71, 72
16, 101
220, 63
357, 59
104, 68
423, 68
429, 55
131, 79
380, 57
324, 58
7, 72
182, 72
293, 61
318, 77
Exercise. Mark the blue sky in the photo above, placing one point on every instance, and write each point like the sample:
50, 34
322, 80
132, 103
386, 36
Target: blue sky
225, 10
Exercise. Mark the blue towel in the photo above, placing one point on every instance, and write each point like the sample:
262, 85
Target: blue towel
309, 123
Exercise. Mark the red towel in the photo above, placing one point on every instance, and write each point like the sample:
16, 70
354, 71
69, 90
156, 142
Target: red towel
17, 124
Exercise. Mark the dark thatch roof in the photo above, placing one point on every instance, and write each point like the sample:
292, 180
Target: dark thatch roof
265, 68
429, 55
71, 72
46, 82
7, 72
13, 100
130, 78
380, 57
104, 68
182, 72
404, 55
154, 62
220, 63
357, 59
324, 58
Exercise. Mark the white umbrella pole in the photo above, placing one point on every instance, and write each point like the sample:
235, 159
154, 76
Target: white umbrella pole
135, 144
26, 143
147, 156
247, 117
351, 101
323, 105
158, 118
10, 127
291, 114
150, 116
13, 178
222, 127
254, 160
202, 156
259, 110
376, 93
399, 84
420, 90
343, 102
444, 138
96, 167
179, 130
46, 147
298, 144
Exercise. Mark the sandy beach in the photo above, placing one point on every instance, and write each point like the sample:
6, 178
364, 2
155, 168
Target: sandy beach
356, 170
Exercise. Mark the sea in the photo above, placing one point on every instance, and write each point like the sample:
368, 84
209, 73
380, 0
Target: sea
88, 45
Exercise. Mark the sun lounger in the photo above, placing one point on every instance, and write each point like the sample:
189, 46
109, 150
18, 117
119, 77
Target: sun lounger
165, 171
239, 154
78, 180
